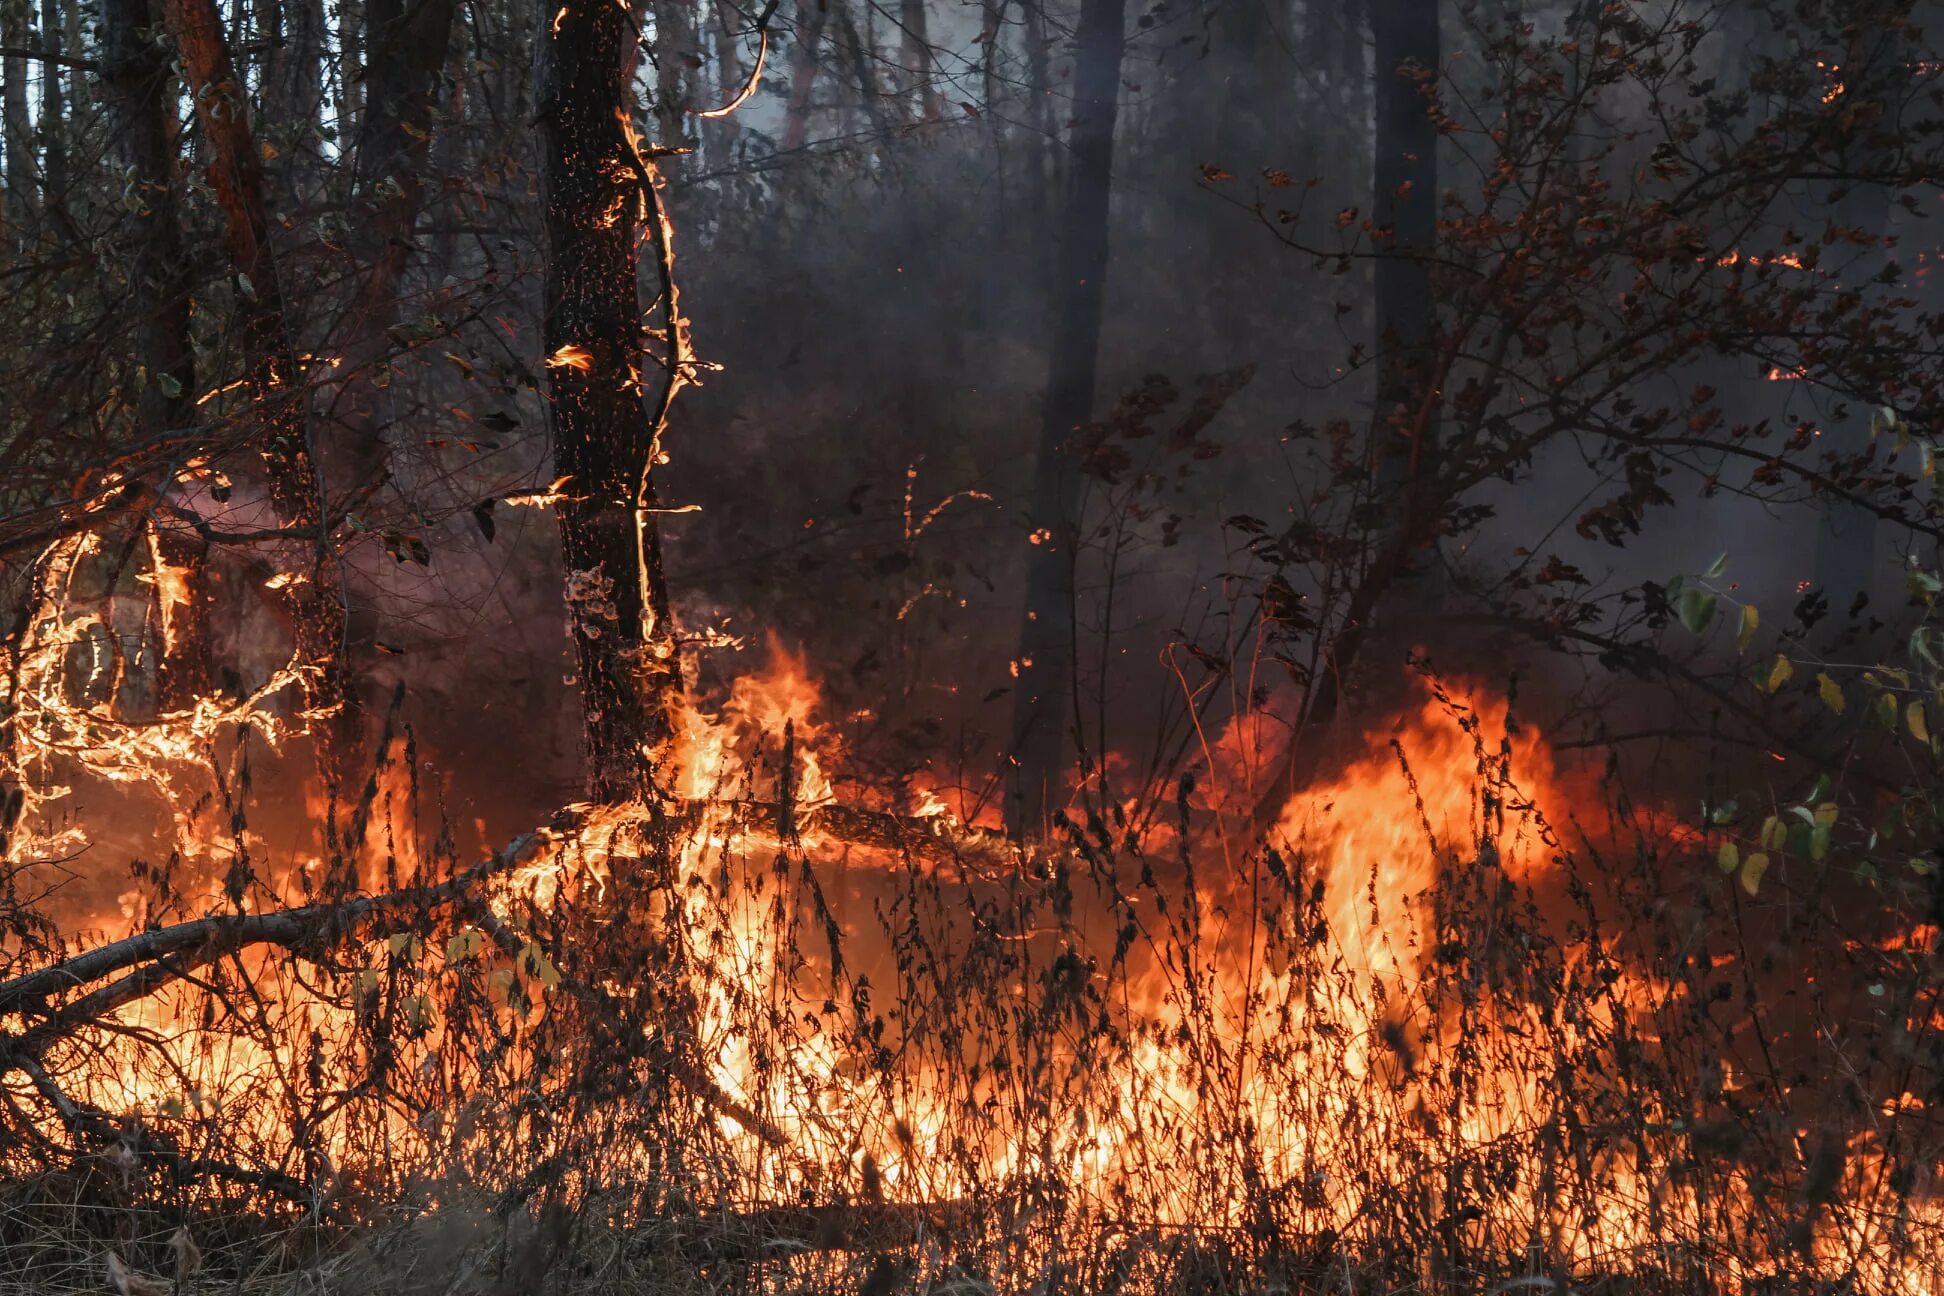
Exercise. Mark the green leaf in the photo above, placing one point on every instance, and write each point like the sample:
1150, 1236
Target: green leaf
1750, 619
244, 286
1728, 858
1751, 872
1831, 692
1696, 609
1887, 710
1725, 812
1715, 568
171, 385
1779, 673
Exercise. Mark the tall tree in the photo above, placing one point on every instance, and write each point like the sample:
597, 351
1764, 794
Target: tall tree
53, 108
605, 422
273, 373
1044, 697
23, 171
135, 75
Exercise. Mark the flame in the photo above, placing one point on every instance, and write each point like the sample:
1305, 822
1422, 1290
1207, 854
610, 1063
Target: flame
1341, 1017
570, 356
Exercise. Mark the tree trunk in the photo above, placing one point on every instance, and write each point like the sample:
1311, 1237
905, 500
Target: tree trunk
595, 183
405, 47
1404, 207
803, 71
678, 63
23, 171
276, 384
917, 54
724, 132
1043, 697
53, 118
135, 75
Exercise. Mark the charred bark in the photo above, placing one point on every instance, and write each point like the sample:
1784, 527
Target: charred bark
1043, 698
597, 187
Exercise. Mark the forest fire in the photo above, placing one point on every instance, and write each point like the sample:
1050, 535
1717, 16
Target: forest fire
1084, 763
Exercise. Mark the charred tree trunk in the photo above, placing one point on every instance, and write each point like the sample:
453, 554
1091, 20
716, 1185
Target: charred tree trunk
276, 385
596, 185
1043, 700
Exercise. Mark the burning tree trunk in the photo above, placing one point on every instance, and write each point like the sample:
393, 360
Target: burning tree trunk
236, 177
597, 187
1044, 693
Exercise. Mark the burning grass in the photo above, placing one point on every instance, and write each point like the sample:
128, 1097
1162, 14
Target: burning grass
1463, 1019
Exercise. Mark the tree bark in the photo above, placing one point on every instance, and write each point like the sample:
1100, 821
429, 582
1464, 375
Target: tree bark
1043, 697
595, 184
678, 62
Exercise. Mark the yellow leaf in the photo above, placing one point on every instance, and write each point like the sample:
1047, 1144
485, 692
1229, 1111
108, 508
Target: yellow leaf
1779, 673
1887, 710
534, 963
464, 946
405, 945
1827, 813
1919, 726
1728, 858
1774, 833
1750, 620
1831, 691
1751, 872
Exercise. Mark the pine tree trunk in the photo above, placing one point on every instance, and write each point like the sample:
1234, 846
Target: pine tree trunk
604, 440
1044, 707
1405, 211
